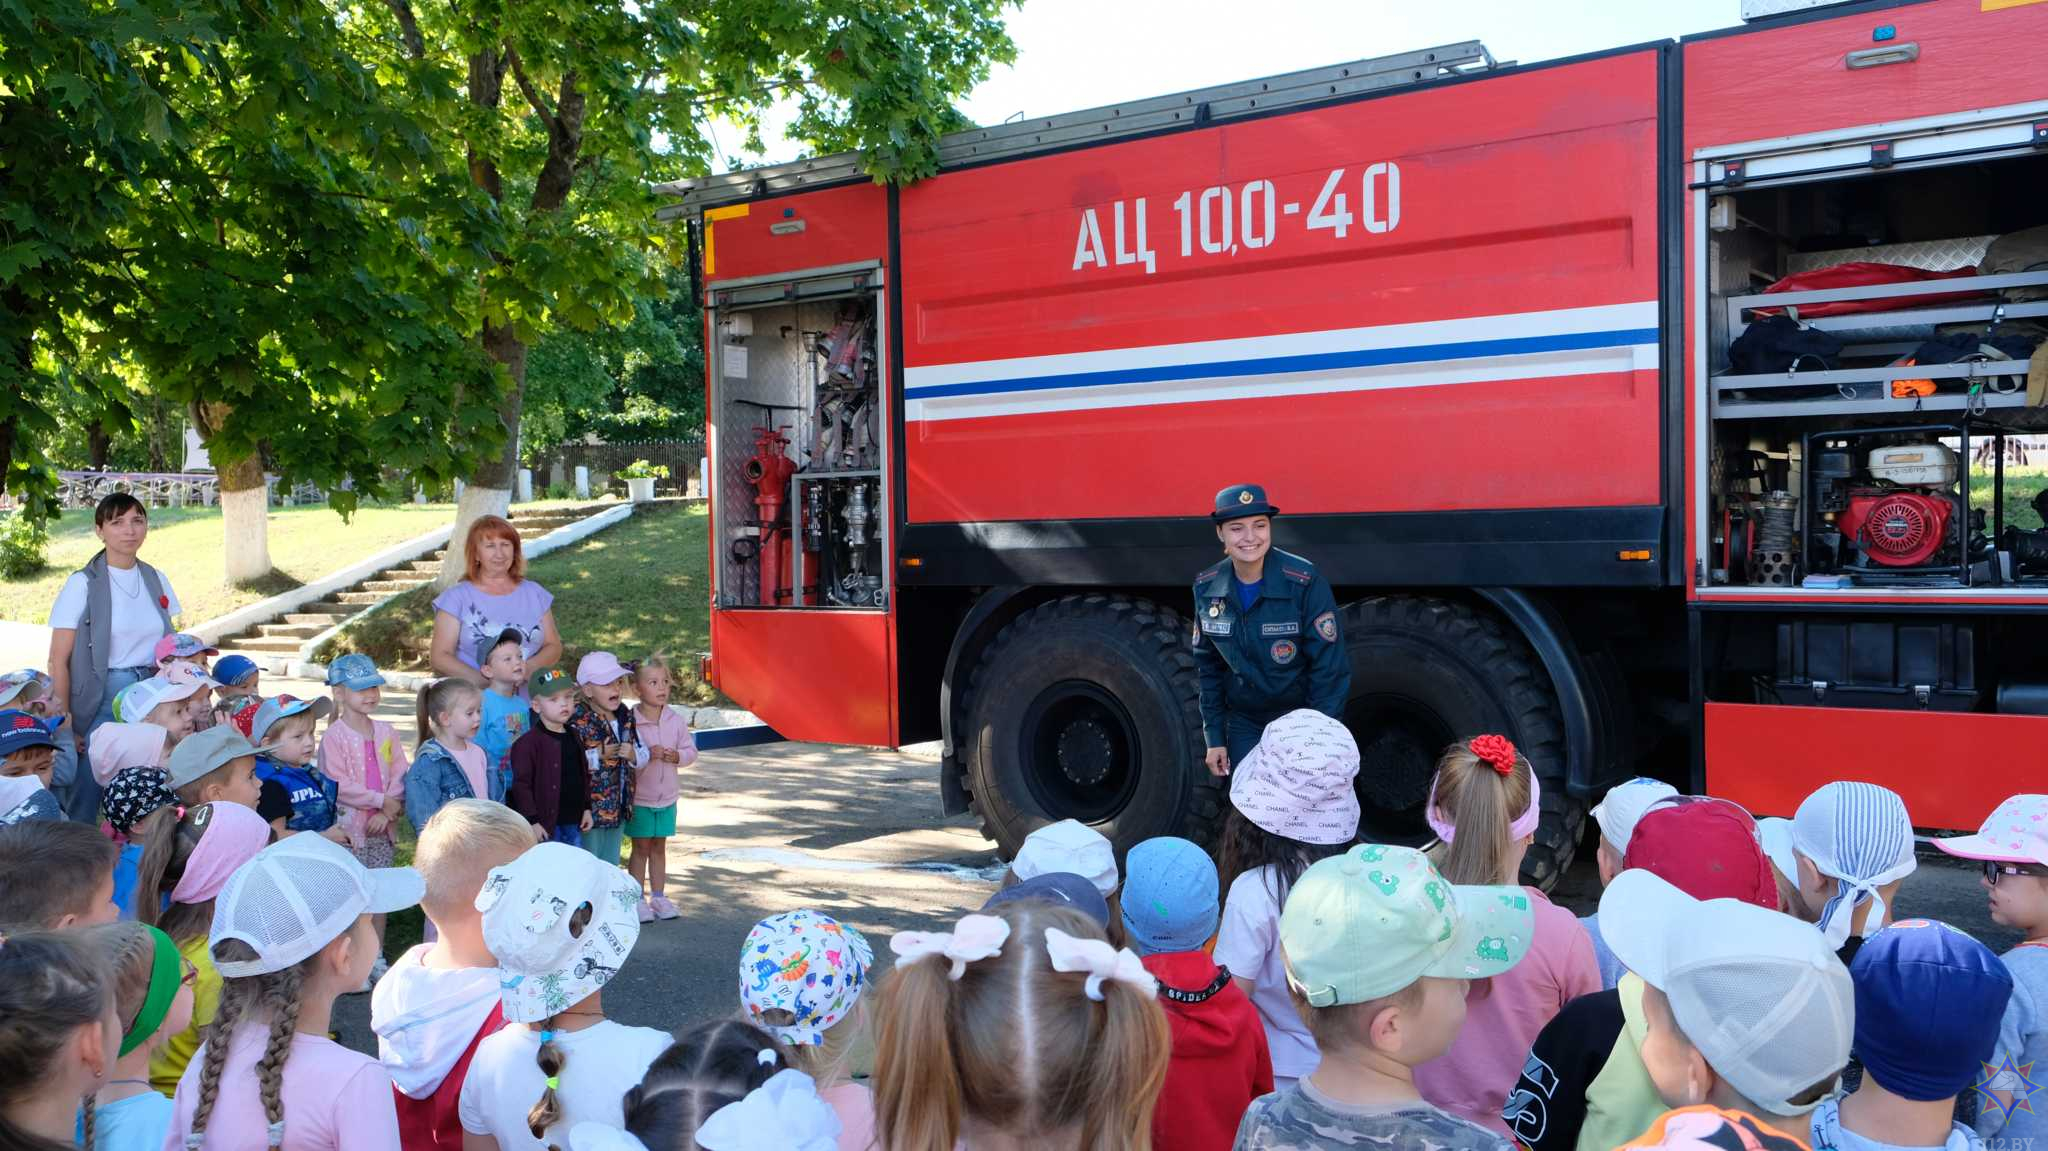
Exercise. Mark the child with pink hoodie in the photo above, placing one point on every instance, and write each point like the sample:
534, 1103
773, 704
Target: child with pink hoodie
441, 999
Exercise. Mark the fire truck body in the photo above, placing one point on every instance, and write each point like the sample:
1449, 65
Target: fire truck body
1470, 325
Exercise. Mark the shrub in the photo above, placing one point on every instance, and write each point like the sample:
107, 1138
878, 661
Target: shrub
642, 469
24, 546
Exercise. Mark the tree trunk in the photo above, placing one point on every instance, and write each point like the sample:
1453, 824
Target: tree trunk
159, 431
244, 500
97, 444
489, 491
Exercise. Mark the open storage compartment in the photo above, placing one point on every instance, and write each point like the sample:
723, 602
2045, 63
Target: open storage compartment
801, 450
1859, 414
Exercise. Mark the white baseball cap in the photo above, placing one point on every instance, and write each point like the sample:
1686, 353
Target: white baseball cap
297, 896
1624, 805
143, 696
1777, 837
1072, 847
1760, 994
529, 904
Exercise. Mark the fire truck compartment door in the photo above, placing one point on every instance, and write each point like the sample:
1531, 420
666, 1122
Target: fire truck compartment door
813, 676
1906, 66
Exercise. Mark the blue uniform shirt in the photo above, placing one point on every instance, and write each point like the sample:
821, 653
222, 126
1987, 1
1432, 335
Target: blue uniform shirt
1282, 651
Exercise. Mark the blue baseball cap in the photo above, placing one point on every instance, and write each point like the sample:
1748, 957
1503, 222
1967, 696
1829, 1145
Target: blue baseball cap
1062, 887
1929, 1000
20, 731
273, 710
354, 671
233, 669
1169, 899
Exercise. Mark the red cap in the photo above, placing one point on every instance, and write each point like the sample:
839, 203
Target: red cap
1707, 850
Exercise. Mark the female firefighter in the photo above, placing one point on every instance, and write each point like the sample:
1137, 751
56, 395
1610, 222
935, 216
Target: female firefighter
1267, 639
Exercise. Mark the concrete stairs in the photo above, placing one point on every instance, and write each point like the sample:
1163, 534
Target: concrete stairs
282, 637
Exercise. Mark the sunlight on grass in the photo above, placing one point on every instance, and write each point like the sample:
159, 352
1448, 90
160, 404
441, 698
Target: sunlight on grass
306, 544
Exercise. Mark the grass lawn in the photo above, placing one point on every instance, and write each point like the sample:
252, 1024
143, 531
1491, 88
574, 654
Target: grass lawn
632, 589
2020, 489
306, 544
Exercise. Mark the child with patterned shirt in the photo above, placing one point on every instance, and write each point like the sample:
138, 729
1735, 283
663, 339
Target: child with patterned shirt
606, 727
367, 761
666, 732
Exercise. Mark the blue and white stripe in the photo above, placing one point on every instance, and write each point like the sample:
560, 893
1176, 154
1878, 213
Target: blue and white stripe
1516, 346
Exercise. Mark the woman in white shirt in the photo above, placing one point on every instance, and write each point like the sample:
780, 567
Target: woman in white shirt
103, 632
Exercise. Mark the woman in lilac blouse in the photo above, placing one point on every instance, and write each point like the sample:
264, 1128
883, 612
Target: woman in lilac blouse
493, 597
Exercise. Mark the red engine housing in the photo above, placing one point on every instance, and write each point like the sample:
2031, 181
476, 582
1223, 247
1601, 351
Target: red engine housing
1897, 528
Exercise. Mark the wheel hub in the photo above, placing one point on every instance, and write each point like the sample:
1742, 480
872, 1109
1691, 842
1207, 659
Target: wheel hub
1085, 752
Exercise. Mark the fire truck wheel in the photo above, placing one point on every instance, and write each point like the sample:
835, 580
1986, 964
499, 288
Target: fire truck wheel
1085, 708
1427, 672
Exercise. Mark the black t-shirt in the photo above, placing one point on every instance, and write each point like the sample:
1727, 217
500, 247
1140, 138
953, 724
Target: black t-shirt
275, 803
575, 779
1548, 1105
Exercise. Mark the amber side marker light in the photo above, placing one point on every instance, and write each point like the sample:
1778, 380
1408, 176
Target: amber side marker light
1637, 555
913, 561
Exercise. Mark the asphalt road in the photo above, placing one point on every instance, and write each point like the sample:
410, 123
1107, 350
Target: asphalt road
856, 833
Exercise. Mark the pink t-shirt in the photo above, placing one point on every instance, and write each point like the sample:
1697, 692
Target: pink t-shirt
855, 1106
334, 1099
656, 785
1473, 1078
473, 762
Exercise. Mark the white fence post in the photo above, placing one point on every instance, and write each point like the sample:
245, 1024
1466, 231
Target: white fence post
524, 492
582, 482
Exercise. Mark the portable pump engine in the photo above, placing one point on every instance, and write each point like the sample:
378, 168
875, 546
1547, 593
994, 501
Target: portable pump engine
1896, 514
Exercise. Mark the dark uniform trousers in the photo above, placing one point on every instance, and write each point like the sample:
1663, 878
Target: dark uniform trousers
1284, 652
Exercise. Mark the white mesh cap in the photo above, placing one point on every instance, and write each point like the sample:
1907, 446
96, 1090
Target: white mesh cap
1859, 835
1623, 807
1760, 994
297, 896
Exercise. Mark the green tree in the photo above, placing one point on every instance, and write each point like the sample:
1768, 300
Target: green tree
573, 111
640, 380
219, 203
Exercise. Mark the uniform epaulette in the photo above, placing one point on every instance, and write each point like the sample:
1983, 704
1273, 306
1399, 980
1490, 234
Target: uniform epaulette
1210, 573
1298, 575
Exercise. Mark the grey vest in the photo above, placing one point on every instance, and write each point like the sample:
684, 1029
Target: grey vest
95, 641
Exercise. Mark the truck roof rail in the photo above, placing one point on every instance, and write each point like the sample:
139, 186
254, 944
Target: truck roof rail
1110, 122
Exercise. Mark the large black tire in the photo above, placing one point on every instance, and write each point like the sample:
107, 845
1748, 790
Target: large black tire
1087, 708
1426, 672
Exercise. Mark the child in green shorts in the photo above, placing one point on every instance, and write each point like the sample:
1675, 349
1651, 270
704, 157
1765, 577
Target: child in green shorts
666, 732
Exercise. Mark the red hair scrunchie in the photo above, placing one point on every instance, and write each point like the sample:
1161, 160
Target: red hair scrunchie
1496, 751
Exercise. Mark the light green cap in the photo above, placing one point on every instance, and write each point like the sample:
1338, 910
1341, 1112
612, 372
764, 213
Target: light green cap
1363, 925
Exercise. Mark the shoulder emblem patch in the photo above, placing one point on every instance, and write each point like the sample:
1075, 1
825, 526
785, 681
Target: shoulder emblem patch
1284, 651
1326, 626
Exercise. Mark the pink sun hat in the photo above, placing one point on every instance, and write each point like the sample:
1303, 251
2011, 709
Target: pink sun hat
2015, 833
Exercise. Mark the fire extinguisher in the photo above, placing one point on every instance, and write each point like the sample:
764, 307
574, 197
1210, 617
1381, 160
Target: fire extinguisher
769, 470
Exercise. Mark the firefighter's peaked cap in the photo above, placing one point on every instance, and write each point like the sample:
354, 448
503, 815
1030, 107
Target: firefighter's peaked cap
1240, 500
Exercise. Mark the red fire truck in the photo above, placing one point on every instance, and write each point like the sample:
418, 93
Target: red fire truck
1497, 339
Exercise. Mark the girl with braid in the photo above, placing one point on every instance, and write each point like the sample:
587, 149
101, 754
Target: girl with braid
58, 1036
291, 934
724, 1086
560, 922
152, 989
186, 861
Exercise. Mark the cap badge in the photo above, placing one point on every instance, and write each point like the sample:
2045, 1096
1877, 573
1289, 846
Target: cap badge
1244, 497
1215, 609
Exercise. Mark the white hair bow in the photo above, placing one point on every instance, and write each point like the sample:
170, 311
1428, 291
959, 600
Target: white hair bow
783, 1114
602, 1137
974, 937
1099, 960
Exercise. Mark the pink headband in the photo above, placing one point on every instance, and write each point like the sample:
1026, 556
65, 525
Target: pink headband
233, 836
1523, 827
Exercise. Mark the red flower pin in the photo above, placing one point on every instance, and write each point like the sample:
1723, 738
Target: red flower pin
1496, 751
164, 602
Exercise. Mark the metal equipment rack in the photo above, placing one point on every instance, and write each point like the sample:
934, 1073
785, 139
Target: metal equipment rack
1988, 385
1023, 137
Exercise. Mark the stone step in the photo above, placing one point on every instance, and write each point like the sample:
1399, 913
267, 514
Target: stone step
325, 614
430, 567
387, 587
252, 646
290, 630
361, 599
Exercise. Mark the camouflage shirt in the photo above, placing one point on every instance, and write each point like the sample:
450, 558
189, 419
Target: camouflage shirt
1301, 1118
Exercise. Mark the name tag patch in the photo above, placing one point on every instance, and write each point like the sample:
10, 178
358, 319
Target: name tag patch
1288, 628
1216, 626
